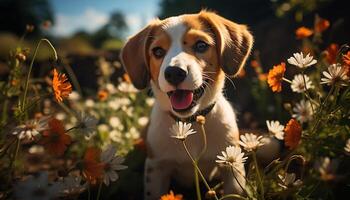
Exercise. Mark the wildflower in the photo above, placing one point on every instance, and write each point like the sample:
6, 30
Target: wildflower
61, 86
300, 61
103, 128
150, 101
250, 141
303, 111
347, 146
298, 83
112, 164
143, 121
37, 188
29, 28
55, 139
233, 156
115, 136
31, 128
181, 130
262, 77
327, 168
92, 167
89, 103
346, 60
171, 196
276, 129
321, 24
102, 95
255, 64
331, 53
74, 96
115, 122
303, 32
126, 78
127, 87
292, 134
275, 77
72, 185
132, 134
87, 124
36, 149
200, 119
288, 181
336, 75
21, 57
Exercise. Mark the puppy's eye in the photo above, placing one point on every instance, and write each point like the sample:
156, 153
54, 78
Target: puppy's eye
158, 52
200, 46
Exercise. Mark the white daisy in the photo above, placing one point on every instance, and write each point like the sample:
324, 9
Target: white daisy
86, 124
347, 146
250, 141
300, 61
37, 188
127, 87
233, 156
150, 101
303, 111
31, 128
74, 96
116, 136
180, 130
89, 103
288, 181
143, 121
336, 75
298, 84
103, 128
132, 134
276, 129
112, 164
327, 168
114, 122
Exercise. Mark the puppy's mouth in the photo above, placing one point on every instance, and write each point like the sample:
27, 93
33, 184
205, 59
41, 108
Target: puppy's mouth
185, 100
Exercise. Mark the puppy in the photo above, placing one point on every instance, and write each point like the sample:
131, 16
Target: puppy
185, 59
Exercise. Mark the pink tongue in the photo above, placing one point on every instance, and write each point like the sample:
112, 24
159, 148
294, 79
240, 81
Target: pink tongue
181, 99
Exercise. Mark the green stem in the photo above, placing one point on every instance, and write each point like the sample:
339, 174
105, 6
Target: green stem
99, 191
204, 135
4, 112
239, 183
13, 160
31, 67
199, 171
306, 92
258, 174
196, 181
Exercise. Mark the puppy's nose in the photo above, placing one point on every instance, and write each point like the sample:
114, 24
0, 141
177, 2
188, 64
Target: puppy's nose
174, 75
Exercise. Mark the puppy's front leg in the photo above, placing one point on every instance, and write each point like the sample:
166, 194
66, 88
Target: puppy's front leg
234, 180
156, 179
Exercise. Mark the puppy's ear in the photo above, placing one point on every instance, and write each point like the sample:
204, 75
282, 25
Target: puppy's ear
134, 57
233, 41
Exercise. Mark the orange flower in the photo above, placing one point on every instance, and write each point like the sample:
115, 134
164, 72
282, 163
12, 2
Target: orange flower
171, 196
254, 63
55, 139
292, 134
126, 78
303, 32
331, 53
262, 77
102, 95
321, 24
275, 77
61, 86
92, 167
346, 60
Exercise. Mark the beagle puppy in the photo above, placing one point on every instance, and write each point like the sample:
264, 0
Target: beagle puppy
185, 60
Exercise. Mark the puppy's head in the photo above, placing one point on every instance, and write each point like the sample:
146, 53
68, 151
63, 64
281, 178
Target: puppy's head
185, 58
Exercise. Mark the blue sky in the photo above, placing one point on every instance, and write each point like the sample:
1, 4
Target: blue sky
89, 15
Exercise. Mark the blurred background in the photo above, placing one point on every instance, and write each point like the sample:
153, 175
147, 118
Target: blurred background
87, 32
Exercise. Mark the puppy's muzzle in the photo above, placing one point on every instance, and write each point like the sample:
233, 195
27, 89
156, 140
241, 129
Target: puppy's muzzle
174, 75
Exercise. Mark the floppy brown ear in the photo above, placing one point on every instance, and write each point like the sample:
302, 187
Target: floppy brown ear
134, 57
234, 42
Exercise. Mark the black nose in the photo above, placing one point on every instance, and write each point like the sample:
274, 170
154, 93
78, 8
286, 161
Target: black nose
174, 75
